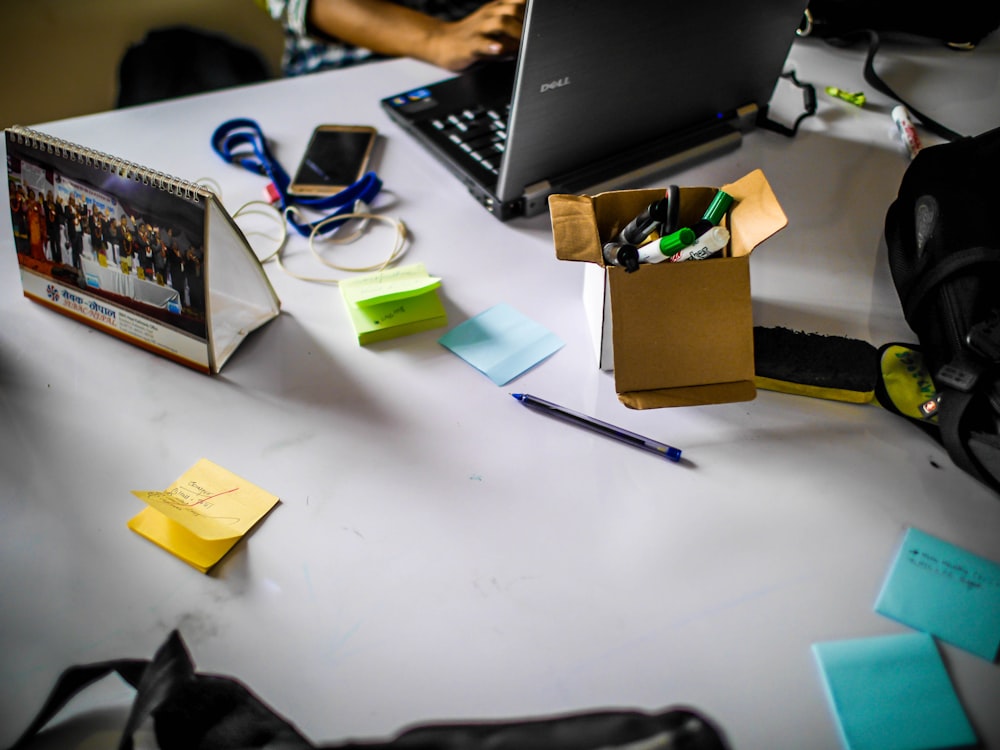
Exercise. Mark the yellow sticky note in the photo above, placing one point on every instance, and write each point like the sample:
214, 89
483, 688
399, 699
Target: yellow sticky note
202, 515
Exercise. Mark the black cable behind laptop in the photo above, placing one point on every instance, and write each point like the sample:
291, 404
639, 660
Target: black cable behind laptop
846, 22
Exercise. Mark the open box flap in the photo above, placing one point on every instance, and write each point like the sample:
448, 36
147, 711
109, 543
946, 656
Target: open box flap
579, 222
756, 213
574, 229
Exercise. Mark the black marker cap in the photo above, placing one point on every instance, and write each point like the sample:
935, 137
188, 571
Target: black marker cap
624, 255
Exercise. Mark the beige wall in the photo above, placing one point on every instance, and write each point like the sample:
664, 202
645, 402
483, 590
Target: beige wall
59, 58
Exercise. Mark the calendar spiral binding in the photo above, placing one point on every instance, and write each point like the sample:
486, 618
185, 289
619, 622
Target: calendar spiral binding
113, 164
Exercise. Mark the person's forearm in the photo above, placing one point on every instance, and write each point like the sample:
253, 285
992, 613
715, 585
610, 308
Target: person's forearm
383, 27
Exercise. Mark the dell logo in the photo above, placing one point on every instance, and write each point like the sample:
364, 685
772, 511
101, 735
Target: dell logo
558, 83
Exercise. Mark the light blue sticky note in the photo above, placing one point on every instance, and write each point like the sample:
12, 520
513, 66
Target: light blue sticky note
892, 693
501, 343
946, 591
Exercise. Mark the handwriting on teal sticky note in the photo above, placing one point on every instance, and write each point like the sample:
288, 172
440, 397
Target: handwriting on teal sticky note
501, 343
892, 693
946, 591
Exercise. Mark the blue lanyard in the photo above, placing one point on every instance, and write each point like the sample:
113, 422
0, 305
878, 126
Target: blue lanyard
241, 142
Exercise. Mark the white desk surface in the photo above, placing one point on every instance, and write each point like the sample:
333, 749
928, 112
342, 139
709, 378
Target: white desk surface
440, 552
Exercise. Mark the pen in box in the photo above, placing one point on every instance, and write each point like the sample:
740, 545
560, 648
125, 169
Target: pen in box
621, 254
661, 216
647, 221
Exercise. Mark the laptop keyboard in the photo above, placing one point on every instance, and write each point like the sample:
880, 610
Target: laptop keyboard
481, 133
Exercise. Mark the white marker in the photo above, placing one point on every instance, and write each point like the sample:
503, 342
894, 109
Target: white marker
907, 131
705, 246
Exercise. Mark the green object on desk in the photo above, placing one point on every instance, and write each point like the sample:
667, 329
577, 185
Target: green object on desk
892, 692
856, 98
393, 302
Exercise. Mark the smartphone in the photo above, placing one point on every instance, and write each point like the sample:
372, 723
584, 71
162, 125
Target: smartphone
336, 157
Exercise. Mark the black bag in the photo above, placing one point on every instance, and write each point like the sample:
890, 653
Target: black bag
961, 23
943, 243
193, 711
180, 61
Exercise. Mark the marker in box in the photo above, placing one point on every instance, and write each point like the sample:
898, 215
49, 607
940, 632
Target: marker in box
659, 216
714, 213
621, 254
661, 249
711, 242
648, 220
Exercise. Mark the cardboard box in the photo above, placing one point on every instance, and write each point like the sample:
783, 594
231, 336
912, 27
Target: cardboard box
675, 334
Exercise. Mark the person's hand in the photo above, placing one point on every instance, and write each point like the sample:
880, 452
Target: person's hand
491, 32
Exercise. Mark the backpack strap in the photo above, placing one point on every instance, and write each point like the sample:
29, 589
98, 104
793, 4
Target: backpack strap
188, 709
968, 387
942, 271
71, 682
969, 453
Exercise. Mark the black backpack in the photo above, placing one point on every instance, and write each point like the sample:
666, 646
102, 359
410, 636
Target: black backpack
195, 711
943, 239
179, 61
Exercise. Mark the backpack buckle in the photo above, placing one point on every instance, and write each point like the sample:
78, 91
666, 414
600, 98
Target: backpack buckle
961, 374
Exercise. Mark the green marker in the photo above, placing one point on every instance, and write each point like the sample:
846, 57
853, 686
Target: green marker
714, 213
663, 248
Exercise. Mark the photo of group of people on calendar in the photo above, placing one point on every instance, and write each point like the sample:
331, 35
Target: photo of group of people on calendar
117, 237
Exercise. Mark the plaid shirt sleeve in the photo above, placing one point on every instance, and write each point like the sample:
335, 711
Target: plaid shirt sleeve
307, 51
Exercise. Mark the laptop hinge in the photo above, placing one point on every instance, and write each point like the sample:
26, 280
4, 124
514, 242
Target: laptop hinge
537, 192
746, 117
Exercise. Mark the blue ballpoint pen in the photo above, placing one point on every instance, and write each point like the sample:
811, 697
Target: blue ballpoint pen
596, 425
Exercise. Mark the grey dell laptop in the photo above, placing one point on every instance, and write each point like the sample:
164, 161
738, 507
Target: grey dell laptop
603, 93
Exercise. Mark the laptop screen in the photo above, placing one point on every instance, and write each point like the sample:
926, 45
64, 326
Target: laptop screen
596, 77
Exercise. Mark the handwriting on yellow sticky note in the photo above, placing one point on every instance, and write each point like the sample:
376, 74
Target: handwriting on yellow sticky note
202, 514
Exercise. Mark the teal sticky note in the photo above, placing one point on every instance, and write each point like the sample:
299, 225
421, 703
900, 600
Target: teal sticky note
501, 343
946, 591
892, 693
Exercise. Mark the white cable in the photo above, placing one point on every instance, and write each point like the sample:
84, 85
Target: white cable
399, 246
271, 212
263, 208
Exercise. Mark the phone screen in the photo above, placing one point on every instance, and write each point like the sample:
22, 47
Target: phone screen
337, 155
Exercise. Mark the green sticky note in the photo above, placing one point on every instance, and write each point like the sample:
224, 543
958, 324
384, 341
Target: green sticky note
389, 285
892, 693
946, 591
393, 302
